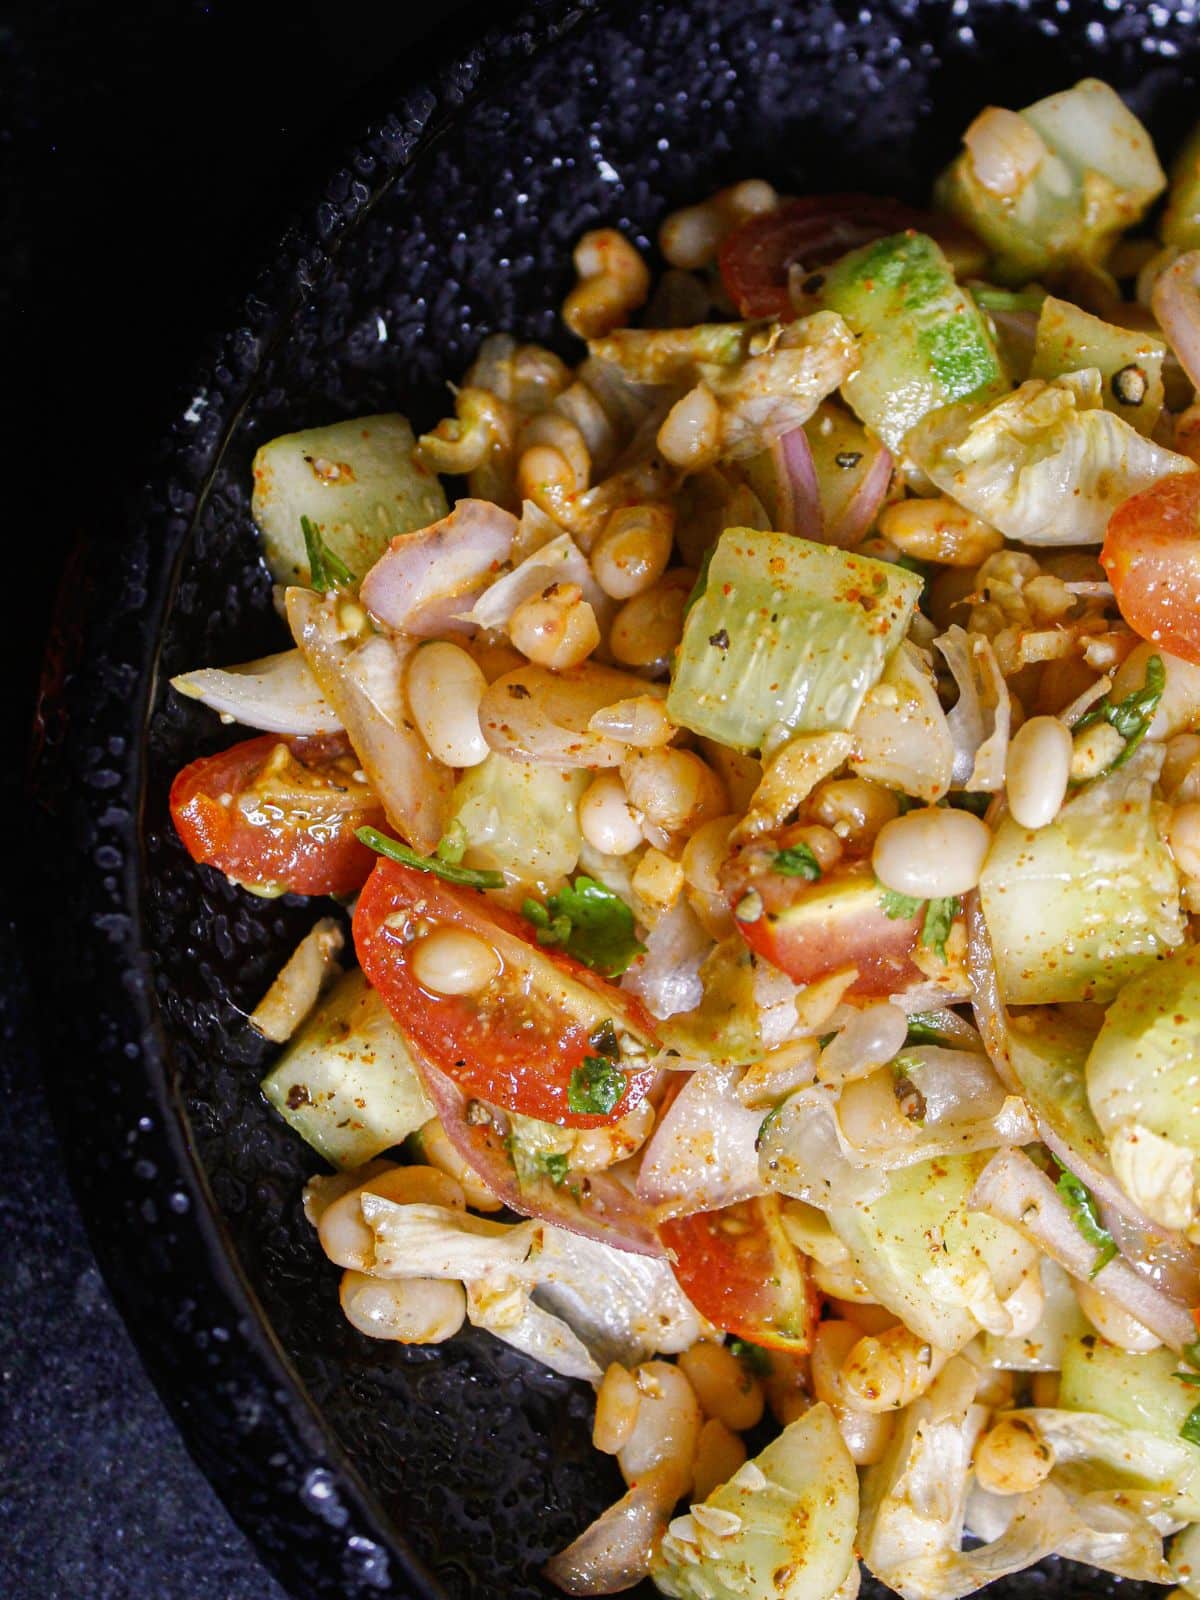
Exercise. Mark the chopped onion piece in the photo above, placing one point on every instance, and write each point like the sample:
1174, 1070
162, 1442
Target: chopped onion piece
615, 1552
798, 496
298, 986
427, 579
1176, 304
702, 1155
277, 694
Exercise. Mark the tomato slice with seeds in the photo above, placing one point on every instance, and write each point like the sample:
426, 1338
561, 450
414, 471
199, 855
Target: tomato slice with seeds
739, 1269
279, 812
517, 1042
1151, 554
756, 259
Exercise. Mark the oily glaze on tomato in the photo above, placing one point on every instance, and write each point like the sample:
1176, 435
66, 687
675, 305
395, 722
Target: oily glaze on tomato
279, 812
1152, 557
756, 259
517, 1042
739, 1269
810, 930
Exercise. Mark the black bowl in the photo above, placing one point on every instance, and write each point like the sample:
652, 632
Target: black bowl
363, 1469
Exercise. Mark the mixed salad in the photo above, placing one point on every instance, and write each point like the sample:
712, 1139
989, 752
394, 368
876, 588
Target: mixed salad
767, 800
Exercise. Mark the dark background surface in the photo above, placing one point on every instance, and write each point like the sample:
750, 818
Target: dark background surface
149, 157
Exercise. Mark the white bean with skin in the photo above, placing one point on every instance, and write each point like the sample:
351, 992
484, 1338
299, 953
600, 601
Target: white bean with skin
409, 1310
931, 853
444, 690
453, 961
1038, 770
606, 819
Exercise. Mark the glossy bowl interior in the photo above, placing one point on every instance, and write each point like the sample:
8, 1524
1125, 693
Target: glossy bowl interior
365, 1468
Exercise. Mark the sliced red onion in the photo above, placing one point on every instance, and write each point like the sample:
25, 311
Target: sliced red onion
277, 694
702, 1155
560, 560
615, 1552
861, 509
798, 494
1167, 1260
1011, 1189
991, 1018
589, 1203
1176, 303
426, 579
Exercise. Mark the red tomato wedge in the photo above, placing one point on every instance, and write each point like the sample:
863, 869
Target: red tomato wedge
739, 1269
518, 1041
756, 258
1152, 557
279, 812
809, 930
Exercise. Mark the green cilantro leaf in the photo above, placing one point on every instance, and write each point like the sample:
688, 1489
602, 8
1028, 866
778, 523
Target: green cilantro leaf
798, 861
557, 1165
1191, 1426
394, 850
898, 905
596, 1087
1082, 1207
326, 569
1192, 1378
751, 1355
937, 923
967, 800
590, 922
1191, 1354
1132, 716
922, 1029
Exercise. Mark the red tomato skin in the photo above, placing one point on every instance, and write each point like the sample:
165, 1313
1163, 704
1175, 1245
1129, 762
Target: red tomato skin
324, 857
485, 1052
809, 930
1151, 554
813, 231
751, 1282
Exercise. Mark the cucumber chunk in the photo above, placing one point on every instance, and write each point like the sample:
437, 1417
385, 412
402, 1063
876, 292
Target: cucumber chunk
347, 1082
1181, 219
356, 480
1129, 363
923, 341
519, 818
1080, 906
786, 638
942, 1269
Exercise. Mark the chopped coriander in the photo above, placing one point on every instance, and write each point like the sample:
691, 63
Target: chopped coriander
764, 1125
798, 861
1191, 1354
937, 923
452, 846
826, 1039
896, 904
326, 569
1132, 716
590, 922
751, 1355
596, 1087
965, 800
922, 1029
991, 298
1192, 1378
1191, 1426
557, 1165
1082, 1207
394, 850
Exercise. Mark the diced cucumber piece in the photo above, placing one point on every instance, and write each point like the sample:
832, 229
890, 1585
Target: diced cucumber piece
723, 1030
347, 1082
1048, 1053
941, 1268
1139, 1390
786, 638
1145, 1063
1181, 219
1079, 907
923, 341
519, 818
792, 1516
1130, 363
1093, 173
357, 481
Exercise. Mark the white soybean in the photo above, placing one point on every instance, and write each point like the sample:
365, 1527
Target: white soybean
606, 819
409, 1310
931, 853
453, 961
1038, 770
444, 690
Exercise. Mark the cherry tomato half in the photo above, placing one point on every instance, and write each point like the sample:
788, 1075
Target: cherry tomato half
809, 930
518, 1041
756, 258
279, 812
1152, 557
739, 1269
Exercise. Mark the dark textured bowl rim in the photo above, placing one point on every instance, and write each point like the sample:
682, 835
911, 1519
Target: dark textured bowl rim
193, 1315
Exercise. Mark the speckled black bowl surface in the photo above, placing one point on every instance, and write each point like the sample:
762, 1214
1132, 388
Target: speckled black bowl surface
365, 1469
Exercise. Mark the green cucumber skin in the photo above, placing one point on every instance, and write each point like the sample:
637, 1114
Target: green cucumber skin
923, 342
787, 636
